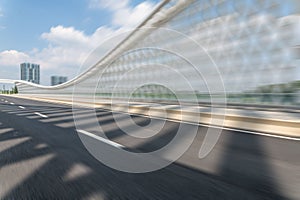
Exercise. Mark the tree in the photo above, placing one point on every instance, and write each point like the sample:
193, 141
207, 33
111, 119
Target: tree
15, 90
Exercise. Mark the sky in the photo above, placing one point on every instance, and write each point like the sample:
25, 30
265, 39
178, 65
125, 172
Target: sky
60, 34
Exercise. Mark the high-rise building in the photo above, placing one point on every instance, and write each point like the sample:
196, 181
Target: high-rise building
30, 72
56, 80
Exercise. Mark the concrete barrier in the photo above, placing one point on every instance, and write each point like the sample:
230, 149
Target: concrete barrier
273, 123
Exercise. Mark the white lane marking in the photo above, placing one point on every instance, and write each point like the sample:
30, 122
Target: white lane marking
12, 103
6, 101
212, 126
41, 115
257, 133
21, 107
109, 142
242, 131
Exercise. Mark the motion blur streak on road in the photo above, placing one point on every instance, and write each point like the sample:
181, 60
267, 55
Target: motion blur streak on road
43, 158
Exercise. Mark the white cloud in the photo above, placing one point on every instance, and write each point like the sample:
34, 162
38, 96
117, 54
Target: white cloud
60, 35
123, 14
11, 57
68, 48
10, 61
130, 17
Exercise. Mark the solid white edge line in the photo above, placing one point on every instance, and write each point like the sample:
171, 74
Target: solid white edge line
109, 142
41, 115
21, 107
211, 126
258, 133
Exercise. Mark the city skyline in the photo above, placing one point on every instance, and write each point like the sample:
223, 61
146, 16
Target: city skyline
56, 80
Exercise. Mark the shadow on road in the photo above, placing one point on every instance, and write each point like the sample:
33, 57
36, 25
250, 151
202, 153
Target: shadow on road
57, 166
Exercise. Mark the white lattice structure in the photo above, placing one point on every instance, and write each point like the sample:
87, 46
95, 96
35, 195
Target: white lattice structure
197, 48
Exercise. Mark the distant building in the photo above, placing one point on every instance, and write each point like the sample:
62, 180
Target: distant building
56, 80
30, 72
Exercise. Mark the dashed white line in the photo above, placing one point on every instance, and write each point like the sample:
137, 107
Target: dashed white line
41, 115
12, 103
21, 107
109, 142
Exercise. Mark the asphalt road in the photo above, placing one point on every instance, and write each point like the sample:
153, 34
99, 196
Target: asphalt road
42, 157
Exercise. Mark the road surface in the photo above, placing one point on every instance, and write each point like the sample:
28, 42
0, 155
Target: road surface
42, 157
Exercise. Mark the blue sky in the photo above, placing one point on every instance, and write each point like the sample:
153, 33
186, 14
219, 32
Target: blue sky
43, 31
26, 20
